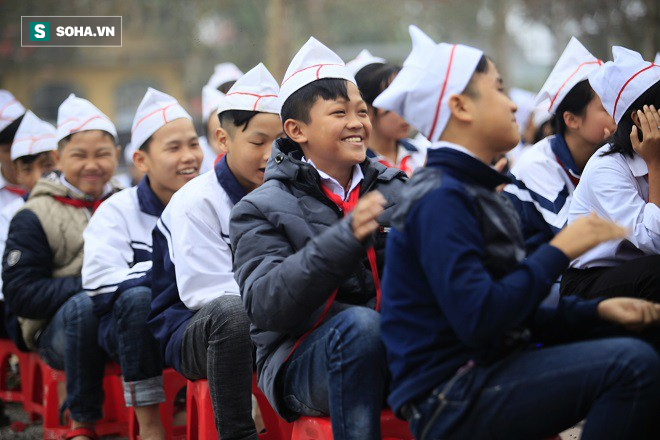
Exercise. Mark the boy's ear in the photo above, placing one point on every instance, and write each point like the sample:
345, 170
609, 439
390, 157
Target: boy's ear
461, 107
295, 130
57, 156
571, 120
117, 153
140, 161
223, 139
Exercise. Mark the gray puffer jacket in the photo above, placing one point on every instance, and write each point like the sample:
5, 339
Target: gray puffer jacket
293, 248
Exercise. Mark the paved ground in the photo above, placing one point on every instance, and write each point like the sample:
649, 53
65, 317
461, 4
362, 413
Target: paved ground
34, 431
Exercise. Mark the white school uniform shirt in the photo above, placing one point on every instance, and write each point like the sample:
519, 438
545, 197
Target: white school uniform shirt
6, 196
616, 188
333, 185
544, 177
196, 226
209, 155
118, 242
6, 214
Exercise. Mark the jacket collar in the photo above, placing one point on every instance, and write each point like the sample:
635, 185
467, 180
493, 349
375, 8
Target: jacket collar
464, 166
286, 164
147, 198
560, 148
228, 181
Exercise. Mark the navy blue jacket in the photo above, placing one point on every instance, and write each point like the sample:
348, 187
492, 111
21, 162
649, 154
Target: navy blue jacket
457, 286
31, 291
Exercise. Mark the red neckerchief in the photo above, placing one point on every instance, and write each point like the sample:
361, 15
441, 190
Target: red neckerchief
15, 190
91, 204
346, 206
403, 166
218, 159
574, 179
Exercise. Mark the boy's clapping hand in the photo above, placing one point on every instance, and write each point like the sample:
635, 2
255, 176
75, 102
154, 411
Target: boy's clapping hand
632, 313
365, 214
586, 233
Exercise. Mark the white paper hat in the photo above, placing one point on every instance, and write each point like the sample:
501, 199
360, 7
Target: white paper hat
620, 82
657, 58
255, 91
430, 76
33, 136
363, 59
525, 102
313, 61
78, 114
129, 149
223, 73
155, 110
540, 114
574, 65
10, 109
211, 98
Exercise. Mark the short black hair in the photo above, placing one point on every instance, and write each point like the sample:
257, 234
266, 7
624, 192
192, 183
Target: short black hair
31, 158
65, 140
145, 145
298, 105
620, 141
7, 135
373, 79
230, 120
576, 102
482, 67
224, 87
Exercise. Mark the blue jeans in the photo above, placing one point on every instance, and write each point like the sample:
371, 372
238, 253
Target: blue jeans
70, 343
129, 342
613, 383
340, 370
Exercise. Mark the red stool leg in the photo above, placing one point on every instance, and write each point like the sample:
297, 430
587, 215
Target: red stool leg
192, 414
7, 349
201, 422
276, 428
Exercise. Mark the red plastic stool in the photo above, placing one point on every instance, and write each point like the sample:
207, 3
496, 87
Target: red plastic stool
201, 423
42, 400
172, 383
199, 412
319, 428
276, 427
7, 349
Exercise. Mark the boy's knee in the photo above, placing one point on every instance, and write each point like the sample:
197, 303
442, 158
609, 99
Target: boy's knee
228, 318
363, 321
135, 300
639, 359
359, 332
79, 307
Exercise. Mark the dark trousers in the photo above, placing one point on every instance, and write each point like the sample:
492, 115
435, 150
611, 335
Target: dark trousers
639, 278
216, 346
534, 394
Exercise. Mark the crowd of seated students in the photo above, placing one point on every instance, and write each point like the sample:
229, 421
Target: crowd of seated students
306, 237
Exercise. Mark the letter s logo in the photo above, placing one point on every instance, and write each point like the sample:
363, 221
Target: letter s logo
40, 31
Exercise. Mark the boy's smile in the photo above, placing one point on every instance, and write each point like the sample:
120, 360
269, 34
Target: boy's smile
337, 135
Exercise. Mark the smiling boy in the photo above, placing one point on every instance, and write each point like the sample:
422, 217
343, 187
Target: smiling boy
118, 251
196, 311
44, 255
307, 253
